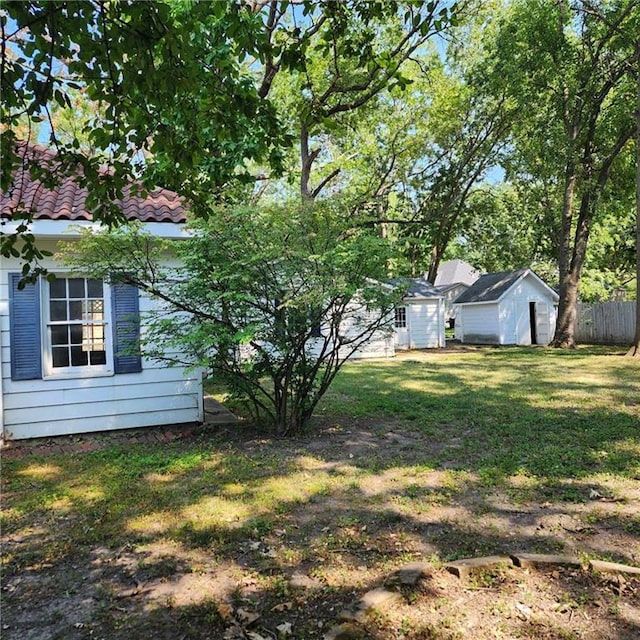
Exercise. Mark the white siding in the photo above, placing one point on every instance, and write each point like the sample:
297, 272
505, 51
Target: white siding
379, 345
156, 396
516, 324
450, 310
425, 324
479, 323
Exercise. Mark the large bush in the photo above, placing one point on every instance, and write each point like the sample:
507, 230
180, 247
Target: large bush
271, 302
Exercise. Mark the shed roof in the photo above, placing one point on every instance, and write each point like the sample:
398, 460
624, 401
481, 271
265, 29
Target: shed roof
445, 288
67, 201
492, 286
417, 288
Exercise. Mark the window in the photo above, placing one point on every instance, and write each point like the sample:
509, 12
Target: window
72, 327
401, 318
76, 325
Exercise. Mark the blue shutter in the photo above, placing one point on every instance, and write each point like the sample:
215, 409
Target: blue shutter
125, 313
24, 327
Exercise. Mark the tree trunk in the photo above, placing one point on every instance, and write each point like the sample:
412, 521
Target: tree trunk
635, 347
568, 308
434, 264
306, 160
564, 337
565, 325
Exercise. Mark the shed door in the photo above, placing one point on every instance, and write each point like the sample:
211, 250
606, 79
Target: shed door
401, 328
543, 326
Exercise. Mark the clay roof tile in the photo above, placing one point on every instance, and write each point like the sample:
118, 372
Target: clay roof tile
67, 201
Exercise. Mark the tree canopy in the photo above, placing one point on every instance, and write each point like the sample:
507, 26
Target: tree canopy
499, 132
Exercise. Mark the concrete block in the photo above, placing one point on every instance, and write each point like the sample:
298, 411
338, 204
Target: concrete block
463, 568
544, 559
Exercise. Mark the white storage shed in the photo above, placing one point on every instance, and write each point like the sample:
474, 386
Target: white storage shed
511, 307
419, 320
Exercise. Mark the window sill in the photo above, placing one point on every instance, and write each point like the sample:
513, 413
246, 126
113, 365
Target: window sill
77, 374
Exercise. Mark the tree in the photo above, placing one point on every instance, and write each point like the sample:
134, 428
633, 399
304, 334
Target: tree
121, 55
270, 301
469, 134
503, 232
350, 56
203, 130
571, 73
416, 151
635, 347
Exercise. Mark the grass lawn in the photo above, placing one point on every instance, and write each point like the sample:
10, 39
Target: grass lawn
428, 456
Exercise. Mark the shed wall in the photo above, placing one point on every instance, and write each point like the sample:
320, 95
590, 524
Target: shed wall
515, 314
379, 345
478, 324
509, 321
425, 324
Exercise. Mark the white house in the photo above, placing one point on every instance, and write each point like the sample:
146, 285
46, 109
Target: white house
455, 271
419, 320
512, 307
66, 357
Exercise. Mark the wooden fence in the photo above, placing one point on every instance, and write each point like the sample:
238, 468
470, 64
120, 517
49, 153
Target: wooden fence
606, 323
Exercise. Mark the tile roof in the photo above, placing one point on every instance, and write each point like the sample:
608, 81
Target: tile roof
67, 201
417, 288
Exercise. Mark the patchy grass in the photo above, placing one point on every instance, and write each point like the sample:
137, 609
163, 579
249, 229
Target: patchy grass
431, 455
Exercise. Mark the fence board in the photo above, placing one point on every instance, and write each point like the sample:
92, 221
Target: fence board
606, 323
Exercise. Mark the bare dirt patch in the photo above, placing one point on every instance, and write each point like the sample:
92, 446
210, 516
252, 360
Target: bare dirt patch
300, 565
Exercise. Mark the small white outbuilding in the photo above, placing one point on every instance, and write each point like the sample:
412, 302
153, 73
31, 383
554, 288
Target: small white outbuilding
511, 307
69, 355
419, 319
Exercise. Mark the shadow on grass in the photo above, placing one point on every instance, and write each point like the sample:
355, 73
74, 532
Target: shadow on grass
148, 541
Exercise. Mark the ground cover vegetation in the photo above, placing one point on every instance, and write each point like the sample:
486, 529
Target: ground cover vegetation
429, 456
439, 123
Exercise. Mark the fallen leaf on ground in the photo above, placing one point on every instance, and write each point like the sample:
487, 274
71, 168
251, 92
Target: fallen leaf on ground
284, 629
247, 617
225, 611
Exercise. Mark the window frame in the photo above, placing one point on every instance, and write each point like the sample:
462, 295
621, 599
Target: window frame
400, 323
78, 371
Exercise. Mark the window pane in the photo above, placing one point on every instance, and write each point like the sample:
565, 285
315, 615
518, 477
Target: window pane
94, 288
401, 317
60, 357
75, 310
60, 334
97, 332
58, 288
92, 336
76, 333
58, 309
98, 357
94, 310
76, 287
78, 357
